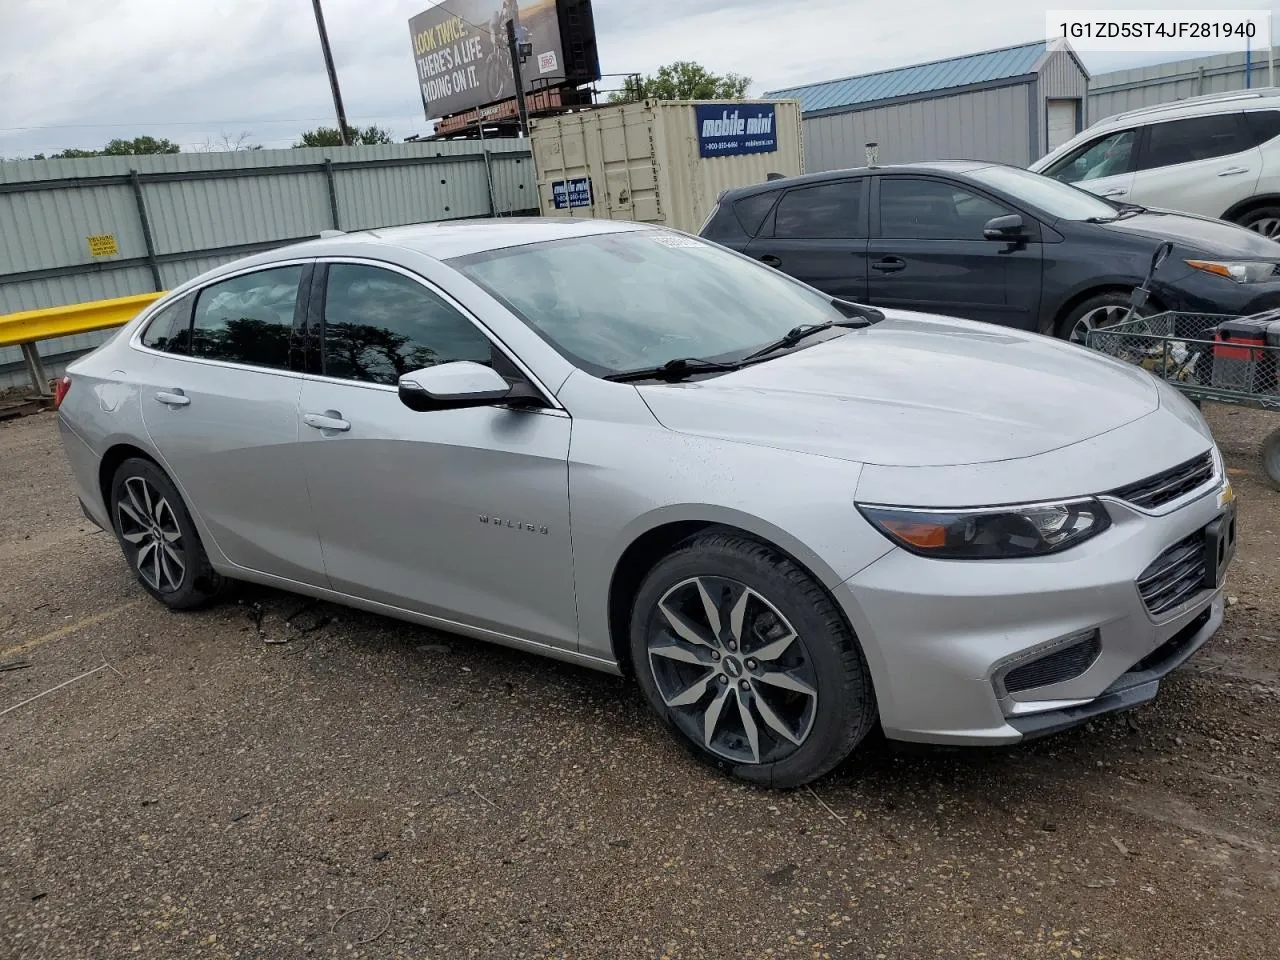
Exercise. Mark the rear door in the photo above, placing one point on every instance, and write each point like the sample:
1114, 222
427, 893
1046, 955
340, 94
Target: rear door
818, 234
1202, 165
221, 406
927, 252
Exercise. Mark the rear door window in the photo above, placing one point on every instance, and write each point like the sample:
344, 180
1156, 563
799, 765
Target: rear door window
822, 212
1193, 139
248, 319
1263, 125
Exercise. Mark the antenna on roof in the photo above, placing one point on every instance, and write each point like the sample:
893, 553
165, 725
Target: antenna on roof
873, 148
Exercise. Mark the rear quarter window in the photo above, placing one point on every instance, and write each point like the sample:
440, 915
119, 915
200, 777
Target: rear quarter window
1264, 125
751, 211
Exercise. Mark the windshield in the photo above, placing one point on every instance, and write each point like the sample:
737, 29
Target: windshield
1056, 199
619, 302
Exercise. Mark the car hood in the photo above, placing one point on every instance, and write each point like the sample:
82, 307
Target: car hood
915, 390
1213, 237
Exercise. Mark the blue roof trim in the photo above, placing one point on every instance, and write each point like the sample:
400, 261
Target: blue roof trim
966, 71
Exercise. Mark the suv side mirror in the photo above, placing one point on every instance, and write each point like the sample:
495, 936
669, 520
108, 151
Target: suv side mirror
1007, 228
447, 386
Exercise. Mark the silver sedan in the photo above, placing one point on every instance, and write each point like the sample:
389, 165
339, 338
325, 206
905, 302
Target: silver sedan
791, 518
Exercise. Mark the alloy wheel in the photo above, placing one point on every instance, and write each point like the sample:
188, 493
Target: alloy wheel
1097, 319
734, 672
150, 529
1267, 226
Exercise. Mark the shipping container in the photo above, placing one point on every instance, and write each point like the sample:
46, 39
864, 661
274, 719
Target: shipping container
661, 161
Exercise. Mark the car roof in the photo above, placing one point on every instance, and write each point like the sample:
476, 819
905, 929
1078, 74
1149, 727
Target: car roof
923, 166
1232, 101
444, 239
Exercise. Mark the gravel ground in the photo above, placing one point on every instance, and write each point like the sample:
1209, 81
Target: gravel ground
274, 778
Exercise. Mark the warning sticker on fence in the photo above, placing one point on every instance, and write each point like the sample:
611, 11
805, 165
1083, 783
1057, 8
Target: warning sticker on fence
103, 245
675, 240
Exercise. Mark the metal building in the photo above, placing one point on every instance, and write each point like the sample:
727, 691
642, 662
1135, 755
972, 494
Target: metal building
1123, 90
1010, 105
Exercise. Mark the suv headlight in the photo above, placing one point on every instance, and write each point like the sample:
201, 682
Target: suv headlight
1241, 271
990, 533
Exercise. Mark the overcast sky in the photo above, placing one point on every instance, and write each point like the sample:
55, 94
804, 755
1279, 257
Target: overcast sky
76, 73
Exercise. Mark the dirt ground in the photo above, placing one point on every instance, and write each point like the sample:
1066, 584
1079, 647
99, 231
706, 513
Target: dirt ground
277, 779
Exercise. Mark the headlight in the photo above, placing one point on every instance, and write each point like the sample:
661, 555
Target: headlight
994, 533
1241, 271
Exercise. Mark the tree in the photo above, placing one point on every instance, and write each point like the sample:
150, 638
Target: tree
329, 136
139, 146
683, 80
227, 144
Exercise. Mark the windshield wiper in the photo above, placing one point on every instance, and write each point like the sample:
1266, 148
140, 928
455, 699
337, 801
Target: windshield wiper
673, 370
1131, 210
864, 317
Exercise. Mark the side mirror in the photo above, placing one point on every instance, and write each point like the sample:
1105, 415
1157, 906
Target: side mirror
447, 386
1007, 228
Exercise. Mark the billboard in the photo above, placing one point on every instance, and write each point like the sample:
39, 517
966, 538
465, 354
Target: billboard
463, 61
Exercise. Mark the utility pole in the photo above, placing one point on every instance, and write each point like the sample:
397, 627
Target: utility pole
333, 74
515, 71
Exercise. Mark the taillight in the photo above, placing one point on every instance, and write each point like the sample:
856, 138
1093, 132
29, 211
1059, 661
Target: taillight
60, 389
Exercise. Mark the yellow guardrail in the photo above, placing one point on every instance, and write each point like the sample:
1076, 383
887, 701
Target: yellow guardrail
25, 328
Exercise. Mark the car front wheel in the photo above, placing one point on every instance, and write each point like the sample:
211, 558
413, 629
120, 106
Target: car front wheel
747, 659
1096, 313
158, 537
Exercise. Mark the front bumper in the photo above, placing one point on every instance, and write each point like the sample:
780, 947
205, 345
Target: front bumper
939, 635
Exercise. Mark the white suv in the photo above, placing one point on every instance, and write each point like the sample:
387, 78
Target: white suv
1217, 156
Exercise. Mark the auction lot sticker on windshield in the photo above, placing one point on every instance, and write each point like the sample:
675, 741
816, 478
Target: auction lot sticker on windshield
675, 240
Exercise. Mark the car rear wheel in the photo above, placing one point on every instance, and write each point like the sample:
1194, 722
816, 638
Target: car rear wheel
749, 662
158, 538
1263, 220
1104, 310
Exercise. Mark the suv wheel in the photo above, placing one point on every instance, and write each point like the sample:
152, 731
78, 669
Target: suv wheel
158, 537
1263, 220
744, 656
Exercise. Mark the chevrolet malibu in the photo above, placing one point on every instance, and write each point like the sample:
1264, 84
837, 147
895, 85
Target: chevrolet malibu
790, 517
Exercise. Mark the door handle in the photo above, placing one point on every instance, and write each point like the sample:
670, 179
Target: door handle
1233, 171
173, 398
889, 265
1114, 192
769, 260
329, 420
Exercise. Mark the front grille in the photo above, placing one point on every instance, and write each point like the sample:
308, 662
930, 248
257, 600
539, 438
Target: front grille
1174, 576
1170, 485
1063, 664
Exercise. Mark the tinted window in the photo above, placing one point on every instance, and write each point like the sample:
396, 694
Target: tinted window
1111, 155
824, 211
1196, 138
751, 211
379, 325
169, 329
248, 319
933, 210
1263, 125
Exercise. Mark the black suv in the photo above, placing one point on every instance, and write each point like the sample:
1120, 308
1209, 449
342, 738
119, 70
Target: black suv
992, 242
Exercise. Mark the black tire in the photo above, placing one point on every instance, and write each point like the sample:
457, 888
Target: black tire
146, 509
1263, 220
1270, 457
824, 652
1115, 304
